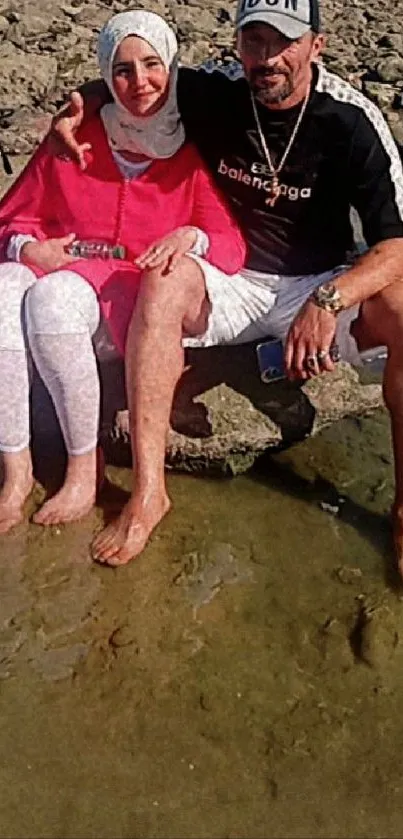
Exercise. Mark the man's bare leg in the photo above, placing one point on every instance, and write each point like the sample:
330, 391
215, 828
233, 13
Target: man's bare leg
166, 307
16, 468
393, 395
381, 324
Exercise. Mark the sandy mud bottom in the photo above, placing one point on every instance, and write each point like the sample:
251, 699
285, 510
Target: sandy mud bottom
243, 678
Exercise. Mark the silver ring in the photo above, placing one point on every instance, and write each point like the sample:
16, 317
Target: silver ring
323, 354
311, 360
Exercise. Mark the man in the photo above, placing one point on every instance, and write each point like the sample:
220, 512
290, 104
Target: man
292, 147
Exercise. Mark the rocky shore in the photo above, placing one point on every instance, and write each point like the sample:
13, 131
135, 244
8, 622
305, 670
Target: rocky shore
47, 49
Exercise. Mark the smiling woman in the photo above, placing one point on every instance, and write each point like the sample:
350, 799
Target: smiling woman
140, 69
140, 78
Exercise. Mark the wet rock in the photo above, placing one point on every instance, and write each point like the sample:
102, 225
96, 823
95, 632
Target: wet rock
379, 637
333, 642
60, 663
347, 575
206, 571
123, 636
223, 416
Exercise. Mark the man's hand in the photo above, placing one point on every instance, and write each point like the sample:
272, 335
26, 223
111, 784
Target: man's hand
307, 349
166, 252
49, 255
62, 141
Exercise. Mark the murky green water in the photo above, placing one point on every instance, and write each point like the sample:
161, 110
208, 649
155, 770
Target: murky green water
243, 678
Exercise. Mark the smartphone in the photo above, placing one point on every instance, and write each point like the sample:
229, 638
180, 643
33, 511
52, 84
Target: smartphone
270, 359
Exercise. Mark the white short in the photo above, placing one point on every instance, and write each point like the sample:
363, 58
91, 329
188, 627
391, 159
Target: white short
251, 306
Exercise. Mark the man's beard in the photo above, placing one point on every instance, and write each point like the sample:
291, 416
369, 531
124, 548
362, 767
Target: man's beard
270, 95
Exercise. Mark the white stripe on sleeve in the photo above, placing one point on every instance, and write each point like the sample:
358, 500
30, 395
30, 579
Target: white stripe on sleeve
342, 91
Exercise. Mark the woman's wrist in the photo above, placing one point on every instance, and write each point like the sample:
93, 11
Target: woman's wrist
16, 244
28, 252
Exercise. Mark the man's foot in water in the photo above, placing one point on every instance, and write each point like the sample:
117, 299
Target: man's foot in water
126, 537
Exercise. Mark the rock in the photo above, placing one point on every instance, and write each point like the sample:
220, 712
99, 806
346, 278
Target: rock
395, 123
224, 417
390, 69
47, 48
18, 84
384, 95
333, 643
379, 637
392, 41
364, 41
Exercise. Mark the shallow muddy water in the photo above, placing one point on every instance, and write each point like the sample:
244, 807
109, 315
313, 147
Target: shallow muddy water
243, 678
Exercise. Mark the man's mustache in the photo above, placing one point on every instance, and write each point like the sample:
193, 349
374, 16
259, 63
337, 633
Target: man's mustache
266, 72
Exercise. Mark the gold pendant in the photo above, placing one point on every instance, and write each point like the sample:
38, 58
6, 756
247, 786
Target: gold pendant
274, 192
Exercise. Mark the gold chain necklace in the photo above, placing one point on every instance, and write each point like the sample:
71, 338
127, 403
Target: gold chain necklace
275, 170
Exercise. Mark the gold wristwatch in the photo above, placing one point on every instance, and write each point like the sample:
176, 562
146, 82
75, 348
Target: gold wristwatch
328, 297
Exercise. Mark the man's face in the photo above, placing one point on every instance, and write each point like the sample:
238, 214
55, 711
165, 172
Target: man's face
275, 66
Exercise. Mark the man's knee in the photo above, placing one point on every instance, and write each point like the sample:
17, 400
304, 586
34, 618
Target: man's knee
186, 274
381, 317
177, 291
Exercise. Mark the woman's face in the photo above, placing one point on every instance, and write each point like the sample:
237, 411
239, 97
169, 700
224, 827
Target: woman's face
140, 79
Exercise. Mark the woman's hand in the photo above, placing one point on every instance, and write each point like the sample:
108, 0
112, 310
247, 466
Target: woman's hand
165, 253
62, 142
49, 255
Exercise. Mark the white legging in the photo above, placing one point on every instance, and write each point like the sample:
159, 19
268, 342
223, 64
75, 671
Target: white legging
56, 317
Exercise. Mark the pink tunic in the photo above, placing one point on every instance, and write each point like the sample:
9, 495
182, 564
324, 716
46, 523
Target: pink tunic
53, 198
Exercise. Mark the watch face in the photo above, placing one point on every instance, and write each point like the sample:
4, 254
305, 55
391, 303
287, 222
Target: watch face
328, 298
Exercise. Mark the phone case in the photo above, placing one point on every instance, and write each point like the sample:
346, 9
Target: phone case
270, 357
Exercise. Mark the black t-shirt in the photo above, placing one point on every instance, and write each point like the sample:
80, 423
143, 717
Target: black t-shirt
343, 155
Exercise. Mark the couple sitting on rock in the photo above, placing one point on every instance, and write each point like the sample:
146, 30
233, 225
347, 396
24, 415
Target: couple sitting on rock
292, 147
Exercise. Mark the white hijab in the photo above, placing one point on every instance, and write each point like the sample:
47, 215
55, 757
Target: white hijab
159, 135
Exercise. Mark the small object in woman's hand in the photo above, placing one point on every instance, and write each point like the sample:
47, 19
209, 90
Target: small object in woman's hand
88, 249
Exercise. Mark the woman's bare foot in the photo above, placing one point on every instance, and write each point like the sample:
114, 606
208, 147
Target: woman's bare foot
126, 537
77, 496
17, 485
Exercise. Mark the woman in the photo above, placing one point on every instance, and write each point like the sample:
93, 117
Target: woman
146, 194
